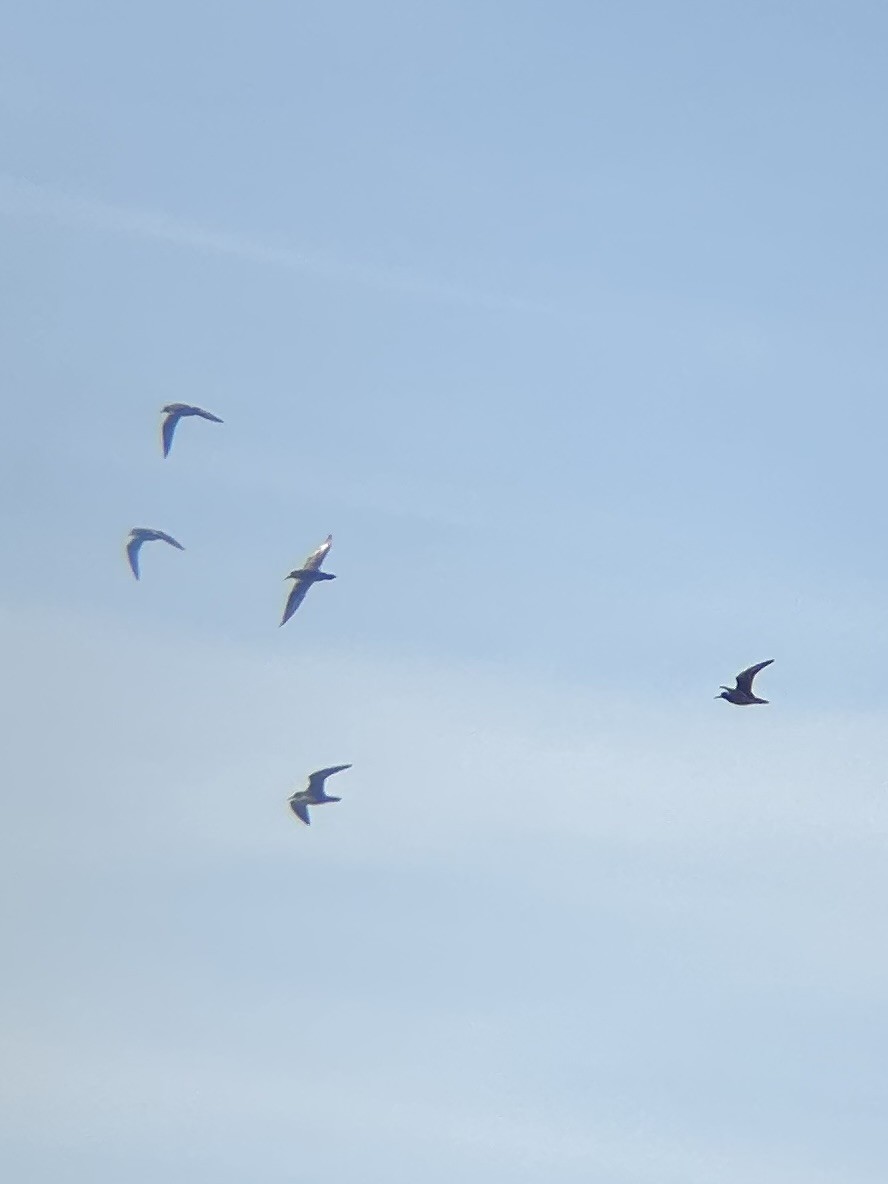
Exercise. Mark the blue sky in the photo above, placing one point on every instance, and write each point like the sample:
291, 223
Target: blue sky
567, 321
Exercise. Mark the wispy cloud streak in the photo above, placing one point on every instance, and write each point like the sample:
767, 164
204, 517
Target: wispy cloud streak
22, 197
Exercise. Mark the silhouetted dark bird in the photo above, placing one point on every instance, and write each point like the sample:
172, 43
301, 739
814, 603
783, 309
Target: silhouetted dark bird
315, 795
742, 694
310, 573
143, 534
176, 411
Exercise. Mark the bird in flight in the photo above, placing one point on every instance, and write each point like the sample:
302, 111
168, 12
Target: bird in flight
742, 694
173, 413
316, 794
305, 576
143, 534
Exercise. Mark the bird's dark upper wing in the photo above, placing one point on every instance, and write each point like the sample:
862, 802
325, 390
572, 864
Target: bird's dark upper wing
132, 554
300, 809
169, 427
316, 558
205, 414
745, 677
168, 538
317, 779
296, 597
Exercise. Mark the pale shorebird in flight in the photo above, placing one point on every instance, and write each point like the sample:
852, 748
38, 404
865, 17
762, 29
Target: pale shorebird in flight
144, 534
316, 794
741, 694
173, 412
310, 573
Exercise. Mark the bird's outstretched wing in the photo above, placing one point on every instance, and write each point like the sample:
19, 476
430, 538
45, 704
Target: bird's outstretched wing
205, 414
317, 779
316, 558
296, 597
168, 428
300, 809
132, 554
745, 677
168, 538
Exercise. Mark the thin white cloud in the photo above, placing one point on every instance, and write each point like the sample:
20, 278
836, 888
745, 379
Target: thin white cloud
22, 197
132, 1092
720, 332
543, 818
656, 805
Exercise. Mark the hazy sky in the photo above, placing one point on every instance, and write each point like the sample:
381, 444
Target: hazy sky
568, 321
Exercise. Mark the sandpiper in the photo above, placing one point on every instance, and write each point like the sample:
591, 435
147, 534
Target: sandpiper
305, 576
741, 694
144, 534
176, 411
315, 795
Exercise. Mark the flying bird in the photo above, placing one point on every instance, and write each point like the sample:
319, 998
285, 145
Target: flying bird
310, 573
742, 694
316, 794
176, 411
143, 534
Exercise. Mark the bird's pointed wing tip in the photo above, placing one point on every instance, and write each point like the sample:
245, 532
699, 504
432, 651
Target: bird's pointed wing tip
300, 809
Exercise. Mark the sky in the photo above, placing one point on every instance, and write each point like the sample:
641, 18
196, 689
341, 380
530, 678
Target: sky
567, 321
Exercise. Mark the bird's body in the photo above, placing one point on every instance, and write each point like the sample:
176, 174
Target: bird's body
741, 695
310, 573
173, 412
144, 534
316, 794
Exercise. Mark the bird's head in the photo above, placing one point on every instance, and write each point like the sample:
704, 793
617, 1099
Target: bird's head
725, 692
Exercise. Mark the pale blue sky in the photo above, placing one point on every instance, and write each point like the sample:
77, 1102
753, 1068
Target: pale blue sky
568, 322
